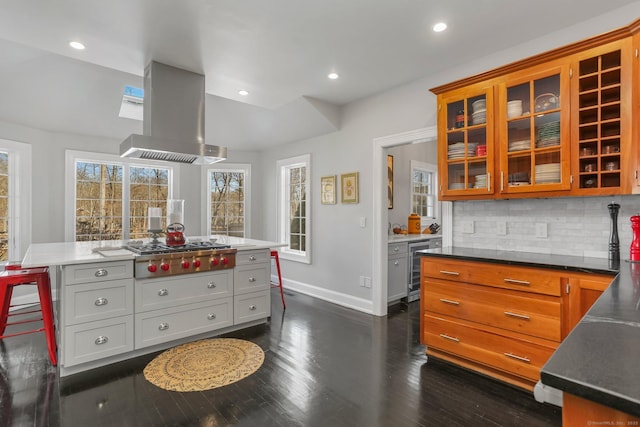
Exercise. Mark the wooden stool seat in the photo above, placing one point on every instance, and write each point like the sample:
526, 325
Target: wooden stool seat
39, 276
274, 254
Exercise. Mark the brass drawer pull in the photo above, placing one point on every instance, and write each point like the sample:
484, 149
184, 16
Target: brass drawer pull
448, 301
211, 316
101, 273
520, 358
101, 301
163, 292
101, 340
447, 337
163, 326
451, 273
517, 282
519, 316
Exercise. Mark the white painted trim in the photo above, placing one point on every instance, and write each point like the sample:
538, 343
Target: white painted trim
379, 287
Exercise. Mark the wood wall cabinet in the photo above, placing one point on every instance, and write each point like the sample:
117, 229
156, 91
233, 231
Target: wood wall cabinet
561, 124
501, 320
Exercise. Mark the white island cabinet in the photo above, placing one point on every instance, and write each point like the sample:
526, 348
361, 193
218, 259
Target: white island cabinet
105, 315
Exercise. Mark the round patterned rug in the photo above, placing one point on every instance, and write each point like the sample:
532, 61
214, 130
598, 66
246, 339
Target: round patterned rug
203, 365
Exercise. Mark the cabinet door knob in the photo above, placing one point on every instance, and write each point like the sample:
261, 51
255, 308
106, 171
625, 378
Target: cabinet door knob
101, 340
211, 285
252, 279
252, 258
396, 262
211, 316
163, 292
101, 301
252, 307
101, 273
163, 326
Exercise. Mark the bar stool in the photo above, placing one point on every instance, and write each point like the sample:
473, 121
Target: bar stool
274, 254
15, 275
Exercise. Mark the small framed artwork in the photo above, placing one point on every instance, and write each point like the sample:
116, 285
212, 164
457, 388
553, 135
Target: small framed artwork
390, 181
349, 184
328, 190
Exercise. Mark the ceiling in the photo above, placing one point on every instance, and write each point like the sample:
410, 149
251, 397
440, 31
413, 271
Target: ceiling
279, 51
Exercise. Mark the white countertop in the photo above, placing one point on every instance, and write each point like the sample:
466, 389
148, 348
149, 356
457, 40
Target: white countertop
64, 253
397, 238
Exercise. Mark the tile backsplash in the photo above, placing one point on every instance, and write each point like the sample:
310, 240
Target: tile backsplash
578, 226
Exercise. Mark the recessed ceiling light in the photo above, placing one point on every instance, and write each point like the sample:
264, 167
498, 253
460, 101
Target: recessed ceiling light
76, 45
439, 27
333, 76
243, 92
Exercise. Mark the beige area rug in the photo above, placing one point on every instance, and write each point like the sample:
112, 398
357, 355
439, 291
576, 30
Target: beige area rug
203, 365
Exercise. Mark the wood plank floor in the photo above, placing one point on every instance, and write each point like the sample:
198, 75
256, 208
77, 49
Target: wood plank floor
324, 366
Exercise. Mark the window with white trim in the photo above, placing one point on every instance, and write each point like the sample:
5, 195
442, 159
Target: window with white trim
294, 194
424, 184
228, 191
108, 197
15, 200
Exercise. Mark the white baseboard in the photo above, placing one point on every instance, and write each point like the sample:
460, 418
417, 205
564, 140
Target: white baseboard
349, 301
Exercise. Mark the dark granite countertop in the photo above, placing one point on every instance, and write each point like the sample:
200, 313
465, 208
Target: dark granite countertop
600, 359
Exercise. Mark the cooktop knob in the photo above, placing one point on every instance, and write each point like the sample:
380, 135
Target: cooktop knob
225, 261
185, 264
215, 261
196, 263
152, 268
164, 266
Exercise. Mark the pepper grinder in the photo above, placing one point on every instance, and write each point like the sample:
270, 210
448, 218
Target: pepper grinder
634, 251
614, 240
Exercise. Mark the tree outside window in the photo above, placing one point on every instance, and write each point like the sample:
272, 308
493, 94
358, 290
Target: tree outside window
227, 202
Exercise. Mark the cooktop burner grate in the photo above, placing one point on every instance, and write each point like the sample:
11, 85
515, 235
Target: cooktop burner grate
149, 249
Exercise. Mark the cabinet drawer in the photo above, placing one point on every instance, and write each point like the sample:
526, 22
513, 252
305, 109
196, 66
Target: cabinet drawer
492, 274
253, 306
97, 272
517, 357
87, 302
398, 248
160, 326
529, 314
251, 278
95, 340
253, 257
172, 291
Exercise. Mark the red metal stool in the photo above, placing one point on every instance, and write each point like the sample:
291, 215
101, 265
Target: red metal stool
274, 254
15, 275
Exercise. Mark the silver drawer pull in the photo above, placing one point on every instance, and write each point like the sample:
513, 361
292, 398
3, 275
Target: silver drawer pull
163, 292
447, 337
101, 340
211, 285
517, 282
449, 301
211, 316
252, 258
101, 273
396, 249
252, 307
451, 273
396, 263
101, 301
520, 358
519, 316
163, 326
252, 279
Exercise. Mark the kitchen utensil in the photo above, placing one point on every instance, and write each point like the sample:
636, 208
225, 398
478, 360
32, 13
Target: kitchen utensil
414, 223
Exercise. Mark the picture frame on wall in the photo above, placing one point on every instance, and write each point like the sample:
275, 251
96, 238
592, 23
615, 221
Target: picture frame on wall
389, 182
349, 187
328, 190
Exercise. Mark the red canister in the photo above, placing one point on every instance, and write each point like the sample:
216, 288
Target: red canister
634, 251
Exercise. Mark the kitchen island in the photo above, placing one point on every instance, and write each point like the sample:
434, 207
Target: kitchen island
596, 364
106, 313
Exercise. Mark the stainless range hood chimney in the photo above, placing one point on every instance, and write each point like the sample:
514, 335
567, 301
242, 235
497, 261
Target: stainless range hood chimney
173, 119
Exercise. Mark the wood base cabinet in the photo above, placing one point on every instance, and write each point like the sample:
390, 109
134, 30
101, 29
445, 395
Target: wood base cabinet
501, 320
577, 411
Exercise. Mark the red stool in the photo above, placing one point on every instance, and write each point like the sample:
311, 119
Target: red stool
274, 254
13, 276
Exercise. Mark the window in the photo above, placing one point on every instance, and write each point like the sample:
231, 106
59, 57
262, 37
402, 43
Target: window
15, 200
100, 187
228, 199
294, 194
424, 190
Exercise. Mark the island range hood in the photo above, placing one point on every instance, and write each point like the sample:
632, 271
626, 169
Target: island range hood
173, 119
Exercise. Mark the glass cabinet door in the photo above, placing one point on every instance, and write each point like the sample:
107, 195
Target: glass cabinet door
534, 156
468, 143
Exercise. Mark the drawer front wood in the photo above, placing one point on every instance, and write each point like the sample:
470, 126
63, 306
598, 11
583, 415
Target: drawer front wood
517, 357
95, 340
253, 257
88, 302
529, 314
97, 272
398, 248
252, 306
172, 291
252, 278
161, 326
525, 279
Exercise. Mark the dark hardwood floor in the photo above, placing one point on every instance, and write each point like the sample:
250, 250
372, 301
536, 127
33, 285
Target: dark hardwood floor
324, 366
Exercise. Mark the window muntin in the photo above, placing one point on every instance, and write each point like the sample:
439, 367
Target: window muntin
227, 201
424, 190
294, 195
